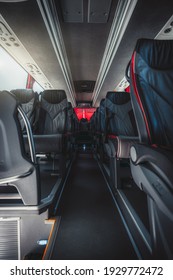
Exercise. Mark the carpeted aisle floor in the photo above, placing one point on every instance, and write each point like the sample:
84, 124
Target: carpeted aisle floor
90, 226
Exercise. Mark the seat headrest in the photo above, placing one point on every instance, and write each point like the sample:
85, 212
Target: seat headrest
23, 95
102, 102
54, 96
119, 97
156, 53
7, 103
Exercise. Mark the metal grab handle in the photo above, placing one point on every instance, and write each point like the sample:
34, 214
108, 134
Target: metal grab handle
29, 133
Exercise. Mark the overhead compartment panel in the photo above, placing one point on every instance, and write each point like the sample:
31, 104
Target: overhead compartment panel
72, 11
98, 11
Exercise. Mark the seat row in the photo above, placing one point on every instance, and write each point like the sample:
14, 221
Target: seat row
51, 117
151, 83
48, 112
30, 186
115, 130
138, 126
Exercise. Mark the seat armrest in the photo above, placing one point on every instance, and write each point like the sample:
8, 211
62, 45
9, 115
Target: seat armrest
120, 145
159, 159
51, 143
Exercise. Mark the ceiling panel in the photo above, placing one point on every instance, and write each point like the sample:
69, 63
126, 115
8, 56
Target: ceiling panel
27, 23
84, 41
98, 11
85, 44
72, 11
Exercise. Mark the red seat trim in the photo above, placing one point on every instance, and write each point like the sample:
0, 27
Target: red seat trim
137, 94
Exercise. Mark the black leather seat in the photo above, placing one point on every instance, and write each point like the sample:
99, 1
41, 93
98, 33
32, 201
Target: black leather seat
53, 112
151, 78
84, 126
15, 169
83, 133
92, 129
119, 114
120, 131
28, 99
70, 127
100, 128
96, 121
70, 118
52, 126
52, 122
28, 193
101, 119
92, 123
76, 128
76, 123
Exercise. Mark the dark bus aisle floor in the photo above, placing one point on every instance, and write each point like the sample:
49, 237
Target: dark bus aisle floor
90, 227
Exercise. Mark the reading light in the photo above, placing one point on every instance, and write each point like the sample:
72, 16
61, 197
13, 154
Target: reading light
167, 30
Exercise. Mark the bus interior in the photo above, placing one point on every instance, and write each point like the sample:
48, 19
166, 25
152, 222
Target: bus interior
86, 141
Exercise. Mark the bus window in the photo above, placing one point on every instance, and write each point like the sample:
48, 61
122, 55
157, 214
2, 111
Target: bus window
12, 75
37, 87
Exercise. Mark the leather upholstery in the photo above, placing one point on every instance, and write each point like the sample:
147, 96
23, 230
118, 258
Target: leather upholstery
70, 113
53, 112
151, 86
120, 119
151, 78
27, 98
93, 123
15, 168
84, 126
101, 117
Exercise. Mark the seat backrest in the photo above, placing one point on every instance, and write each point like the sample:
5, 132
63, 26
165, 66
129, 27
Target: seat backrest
92, 123
53, 112
96, 119
119, 114
101, 117
70, 118
15, 168
84, 126
28, 99
151, 79
76, 122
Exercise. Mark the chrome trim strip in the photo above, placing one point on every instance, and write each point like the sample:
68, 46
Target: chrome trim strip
50, 17
29, 133
15, 178
122, 16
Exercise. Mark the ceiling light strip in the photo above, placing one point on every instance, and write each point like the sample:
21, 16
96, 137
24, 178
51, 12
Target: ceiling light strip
122, 16
50, 17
